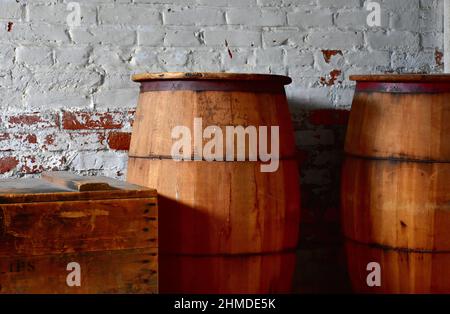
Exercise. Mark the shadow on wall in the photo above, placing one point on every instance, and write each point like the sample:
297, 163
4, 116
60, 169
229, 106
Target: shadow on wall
320, 137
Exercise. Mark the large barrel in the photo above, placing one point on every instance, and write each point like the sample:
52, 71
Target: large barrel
396, 184
226, 226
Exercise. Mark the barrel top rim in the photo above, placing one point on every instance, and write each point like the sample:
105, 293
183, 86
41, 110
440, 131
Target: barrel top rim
401, 78
145, 77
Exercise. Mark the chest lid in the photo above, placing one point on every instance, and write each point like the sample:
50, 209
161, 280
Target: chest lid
65, 186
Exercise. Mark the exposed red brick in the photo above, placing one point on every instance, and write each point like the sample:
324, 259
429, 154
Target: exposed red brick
92, 120
439, 56
101, 138
30, 166
328, 54
29, 119
119, 140
57, 120
88, 139
12, 141
131, 114
49, 139
4, 136
332, 78
31, 138
329, 117
7, 164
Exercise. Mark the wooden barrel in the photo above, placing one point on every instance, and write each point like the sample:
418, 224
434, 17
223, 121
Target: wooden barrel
224, 215
238, 274
396, 183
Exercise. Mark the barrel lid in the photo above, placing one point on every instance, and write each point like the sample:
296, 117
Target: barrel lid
285, 80
65, 186
401, 78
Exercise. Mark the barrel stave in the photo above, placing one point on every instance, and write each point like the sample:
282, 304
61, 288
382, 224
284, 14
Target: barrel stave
396, 204
160, 112
223, 207
401, 271
400, 126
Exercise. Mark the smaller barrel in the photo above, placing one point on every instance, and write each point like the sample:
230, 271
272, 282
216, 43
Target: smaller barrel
395, 183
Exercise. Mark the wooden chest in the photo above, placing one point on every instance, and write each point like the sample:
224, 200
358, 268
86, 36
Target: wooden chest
69, 234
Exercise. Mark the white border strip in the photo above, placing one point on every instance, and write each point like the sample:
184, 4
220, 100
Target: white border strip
447, 35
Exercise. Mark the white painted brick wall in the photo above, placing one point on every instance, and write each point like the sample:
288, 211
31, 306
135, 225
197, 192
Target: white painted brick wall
47, 67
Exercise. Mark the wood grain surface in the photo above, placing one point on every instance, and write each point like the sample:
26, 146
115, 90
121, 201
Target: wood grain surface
104, 272
402, 272
397, 204
241, 274
160, 112
211, 208
77, 183
221, 76
64, 187
217, 209
47, 223
400, 126
395, 200
65, 227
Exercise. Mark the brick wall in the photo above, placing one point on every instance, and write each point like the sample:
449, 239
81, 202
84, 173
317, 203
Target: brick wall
66, 99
